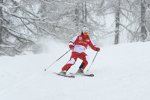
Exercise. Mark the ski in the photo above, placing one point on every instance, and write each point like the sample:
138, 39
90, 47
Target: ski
68, 75
85, 74
90, 75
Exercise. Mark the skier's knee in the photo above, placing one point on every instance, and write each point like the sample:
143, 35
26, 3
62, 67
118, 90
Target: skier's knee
85, 62
87, 58
71, 61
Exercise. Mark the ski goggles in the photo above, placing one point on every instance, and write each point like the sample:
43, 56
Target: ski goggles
86, 33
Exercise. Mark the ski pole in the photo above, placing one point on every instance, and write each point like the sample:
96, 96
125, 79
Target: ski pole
56, 60
92, 61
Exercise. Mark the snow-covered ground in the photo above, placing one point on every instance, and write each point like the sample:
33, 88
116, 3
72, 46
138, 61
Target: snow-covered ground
122, 72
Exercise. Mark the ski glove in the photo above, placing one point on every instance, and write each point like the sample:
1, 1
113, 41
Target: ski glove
71, 47
97, 49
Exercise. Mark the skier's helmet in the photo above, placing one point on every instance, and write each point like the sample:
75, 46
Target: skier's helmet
85, 31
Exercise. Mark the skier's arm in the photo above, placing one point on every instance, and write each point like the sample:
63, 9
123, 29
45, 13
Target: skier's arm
72, 42
94, 47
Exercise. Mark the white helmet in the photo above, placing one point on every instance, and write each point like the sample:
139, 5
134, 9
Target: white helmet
85, 29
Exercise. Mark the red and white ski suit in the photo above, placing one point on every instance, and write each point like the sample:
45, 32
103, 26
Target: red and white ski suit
78, 45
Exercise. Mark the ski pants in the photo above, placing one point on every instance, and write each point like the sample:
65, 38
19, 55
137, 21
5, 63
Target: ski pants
73, 58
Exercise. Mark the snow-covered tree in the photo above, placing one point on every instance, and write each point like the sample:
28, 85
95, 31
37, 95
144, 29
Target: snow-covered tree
1, 21
24, 22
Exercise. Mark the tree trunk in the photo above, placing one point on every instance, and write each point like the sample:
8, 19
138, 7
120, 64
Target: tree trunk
85, 15
117, 20
143, 34
1, 22
77, 16
84, 12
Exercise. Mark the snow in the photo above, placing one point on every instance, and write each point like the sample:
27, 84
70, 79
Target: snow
122, 72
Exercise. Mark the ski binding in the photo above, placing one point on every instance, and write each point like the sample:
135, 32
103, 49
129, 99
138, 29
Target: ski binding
67, 75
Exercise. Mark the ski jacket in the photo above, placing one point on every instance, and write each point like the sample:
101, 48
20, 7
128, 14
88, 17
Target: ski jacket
80, 43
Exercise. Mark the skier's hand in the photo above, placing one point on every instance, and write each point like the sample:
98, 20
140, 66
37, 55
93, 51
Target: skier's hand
71, 47
97, 49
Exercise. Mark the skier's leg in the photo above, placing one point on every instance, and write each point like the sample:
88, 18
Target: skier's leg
83, 56
71, 62
80, 70
67, 66
80, 67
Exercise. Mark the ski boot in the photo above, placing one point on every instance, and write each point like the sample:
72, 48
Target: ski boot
80, 71
63, 73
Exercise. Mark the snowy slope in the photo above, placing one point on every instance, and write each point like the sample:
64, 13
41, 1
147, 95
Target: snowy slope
122, 72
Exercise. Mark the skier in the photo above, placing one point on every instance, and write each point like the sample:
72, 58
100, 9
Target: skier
78, 45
